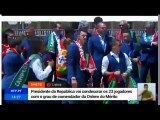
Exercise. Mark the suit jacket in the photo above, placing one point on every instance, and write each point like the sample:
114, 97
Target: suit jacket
73, 66
148, 53
26, 45
11, 63
97, 51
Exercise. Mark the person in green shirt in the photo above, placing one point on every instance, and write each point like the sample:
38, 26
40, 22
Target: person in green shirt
146, 94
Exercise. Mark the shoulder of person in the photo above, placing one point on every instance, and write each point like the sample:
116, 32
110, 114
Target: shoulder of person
9, 56
150, 91
73, 45
35, 61
24, 42
12, 57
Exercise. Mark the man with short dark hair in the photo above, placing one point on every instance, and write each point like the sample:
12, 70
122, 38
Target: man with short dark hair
80, 64
10, 33
132, 50
7, 34
146, 94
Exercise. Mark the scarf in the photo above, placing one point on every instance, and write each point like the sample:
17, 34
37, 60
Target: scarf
153, 39
85, 63
130, 83
119, 35
21, 76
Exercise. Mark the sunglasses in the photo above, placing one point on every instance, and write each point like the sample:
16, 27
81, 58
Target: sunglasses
121, 25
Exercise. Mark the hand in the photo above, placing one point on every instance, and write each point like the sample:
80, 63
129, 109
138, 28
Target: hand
51, 63
102, 83
92, 73
117, 73
90, 83
144, 99
125, 75
135, 60
155, 43
74, 83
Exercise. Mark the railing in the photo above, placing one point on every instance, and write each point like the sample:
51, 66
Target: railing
38, 32
137, 32
45, 32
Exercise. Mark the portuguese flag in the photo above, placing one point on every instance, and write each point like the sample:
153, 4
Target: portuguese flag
130, 83
112, 84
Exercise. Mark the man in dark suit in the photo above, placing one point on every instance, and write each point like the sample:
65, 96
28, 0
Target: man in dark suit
149, 53
78, 64
30, 33
99, 46
132, 50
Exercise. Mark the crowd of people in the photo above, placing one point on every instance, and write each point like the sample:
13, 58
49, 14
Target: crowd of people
91, 59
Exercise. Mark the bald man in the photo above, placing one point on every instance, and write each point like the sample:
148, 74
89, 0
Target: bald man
99, 46
124, 27
30, 33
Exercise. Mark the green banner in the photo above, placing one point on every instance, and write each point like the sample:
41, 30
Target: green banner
21, 76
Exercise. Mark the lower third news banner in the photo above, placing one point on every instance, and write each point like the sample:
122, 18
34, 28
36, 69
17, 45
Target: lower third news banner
39, 91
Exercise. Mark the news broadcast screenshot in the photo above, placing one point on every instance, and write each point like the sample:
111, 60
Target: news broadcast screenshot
79, 60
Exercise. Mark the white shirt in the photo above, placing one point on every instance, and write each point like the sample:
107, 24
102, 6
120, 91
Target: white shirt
105, 62
36, 66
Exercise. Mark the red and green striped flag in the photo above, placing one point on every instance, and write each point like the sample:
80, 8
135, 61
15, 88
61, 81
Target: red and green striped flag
112, 84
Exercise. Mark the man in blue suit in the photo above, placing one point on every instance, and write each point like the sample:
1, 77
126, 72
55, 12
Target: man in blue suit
132, 50
78, 76
149, 53
99, 46
11, 62
30, 33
